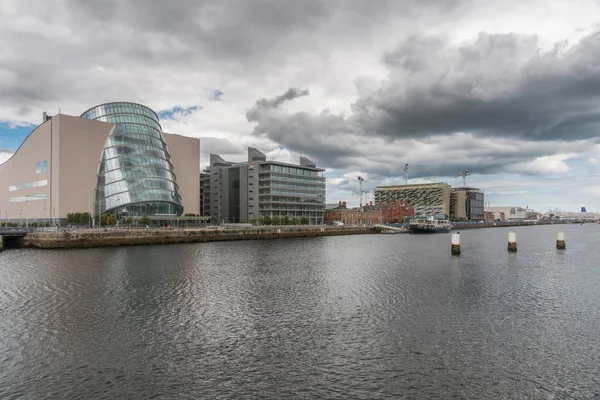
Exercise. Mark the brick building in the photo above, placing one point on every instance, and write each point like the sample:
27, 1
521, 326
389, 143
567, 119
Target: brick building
397, 212
370, 215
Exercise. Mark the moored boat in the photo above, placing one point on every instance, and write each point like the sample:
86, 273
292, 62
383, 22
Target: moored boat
429, 225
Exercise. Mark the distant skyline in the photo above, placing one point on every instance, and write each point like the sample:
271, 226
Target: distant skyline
508, 90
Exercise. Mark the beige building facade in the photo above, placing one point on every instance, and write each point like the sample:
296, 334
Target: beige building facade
63, 167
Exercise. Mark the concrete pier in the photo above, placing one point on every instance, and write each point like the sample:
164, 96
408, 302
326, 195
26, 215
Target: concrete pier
456, 244
560, 240
512, 242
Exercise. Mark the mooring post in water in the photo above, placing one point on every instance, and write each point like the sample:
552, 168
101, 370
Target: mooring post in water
456, 244
560, 240
512, 242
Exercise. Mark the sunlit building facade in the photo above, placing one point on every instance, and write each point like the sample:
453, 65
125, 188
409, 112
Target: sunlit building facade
113, 159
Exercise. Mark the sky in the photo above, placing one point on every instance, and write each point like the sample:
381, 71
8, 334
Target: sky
507, 90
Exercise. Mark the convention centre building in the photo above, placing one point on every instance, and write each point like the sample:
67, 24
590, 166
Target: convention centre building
113, 159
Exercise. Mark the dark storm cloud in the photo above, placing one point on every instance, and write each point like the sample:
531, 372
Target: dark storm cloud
496, 89
501, 84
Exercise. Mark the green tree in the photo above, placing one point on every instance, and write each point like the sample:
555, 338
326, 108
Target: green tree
295, 221
304, 221
285, 220
276, 220
111, 220
70, 218
76, 218
266, 220
84, 218
253, 221
103, 220
129, 220
145, 220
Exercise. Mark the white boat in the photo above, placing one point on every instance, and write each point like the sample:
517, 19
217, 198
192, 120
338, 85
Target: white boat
429, 225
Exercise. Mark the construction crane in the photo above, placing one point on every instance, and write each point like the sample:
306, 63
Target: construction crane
361, 180
406, 174
464, 175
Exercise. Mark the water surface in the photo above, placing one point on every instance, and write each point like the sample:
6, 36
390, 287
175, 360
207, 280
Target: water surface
373, 316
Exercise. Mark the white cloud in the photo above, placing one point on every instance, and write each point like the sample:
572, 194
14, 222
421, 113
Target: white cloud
544, 165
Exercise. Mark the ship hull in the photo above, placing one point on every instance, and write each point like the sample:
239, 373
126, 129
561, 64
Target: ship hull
426, 230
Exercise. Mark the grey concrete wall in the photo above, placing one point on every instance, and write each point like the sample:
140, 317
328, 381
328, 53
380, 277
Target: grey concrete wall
185, 156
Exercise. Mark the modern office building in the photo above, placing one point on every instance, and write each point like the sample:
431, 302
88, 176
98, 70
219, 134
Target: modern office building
427, 199
113, 159
256, 188
466, 204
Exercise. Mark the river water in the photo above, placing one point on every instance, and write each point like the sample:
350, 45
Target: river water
371, 316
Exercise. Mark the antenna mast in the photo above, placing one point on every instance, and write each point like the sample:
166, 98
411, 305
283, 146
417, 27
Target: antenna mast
406, 174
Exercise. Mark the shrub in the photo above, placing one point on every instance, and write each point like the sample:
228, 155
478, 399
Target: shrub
304, 221
295, 221
145, 220
285, 220
129, 221
276, 220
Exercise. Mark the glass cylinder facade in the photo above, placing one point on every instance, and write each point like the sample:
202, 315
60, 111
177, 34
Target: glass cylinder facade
135, 177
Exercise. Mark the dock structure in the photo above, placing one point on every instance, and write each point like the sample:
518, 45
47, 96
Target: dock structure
392, 229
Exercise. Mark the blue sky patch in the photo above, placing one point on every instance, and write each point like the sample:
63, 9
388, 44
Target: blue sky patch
12, 137
177, 110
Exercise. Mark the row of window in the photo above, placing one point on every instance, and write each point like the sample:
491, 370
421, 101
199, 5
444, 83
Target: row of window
30, 197
137, 184
147, 208
282, 176
135, 172
296, 192
112, 152
296, 185
135, 139
28, 185
292, 208
289, 170
291, 199
145, 195
130, 118
120, 108
134, 160
126, 128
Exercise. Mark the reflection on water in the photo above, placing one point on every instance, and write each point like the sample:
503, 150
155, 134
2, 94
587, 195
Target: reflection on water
339, 317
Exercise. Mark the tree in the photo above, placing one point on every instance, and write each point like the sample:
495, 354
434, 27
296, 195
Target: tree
285, 220
84, 218
276, 220
103, 219
295, 221
266, 220
129, 220
304, 221
253, 221
111, 220
145, 220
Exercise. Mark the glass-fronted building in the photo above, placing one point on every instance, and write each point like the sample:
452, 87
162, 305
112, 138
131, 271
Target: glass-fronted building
135, 176
291, 190
248, 191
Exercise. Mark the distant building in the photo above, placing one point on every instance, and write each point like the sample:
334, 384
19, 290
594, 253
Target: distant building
466, 203
205, 194
397, 212
493, 216
248, 190
369, 215
425, 198
511, 213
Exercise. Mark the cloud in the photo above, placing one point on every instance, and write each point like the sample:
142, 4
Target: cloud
5, 154
544, 165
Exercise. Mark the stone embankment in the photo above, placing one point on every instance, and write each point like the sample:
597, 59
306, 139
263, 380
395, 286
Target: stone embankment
88, 238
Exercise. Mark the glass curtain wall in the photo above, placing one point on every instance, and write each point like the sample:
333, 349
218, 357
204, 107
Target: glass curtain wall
135, 177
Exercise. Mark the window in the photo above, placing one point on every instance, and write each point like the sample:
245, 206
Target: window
27, 185
31, 197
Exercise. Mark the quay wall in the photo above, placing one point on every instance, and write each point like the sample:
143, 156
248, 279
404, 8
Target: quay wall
86, 238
